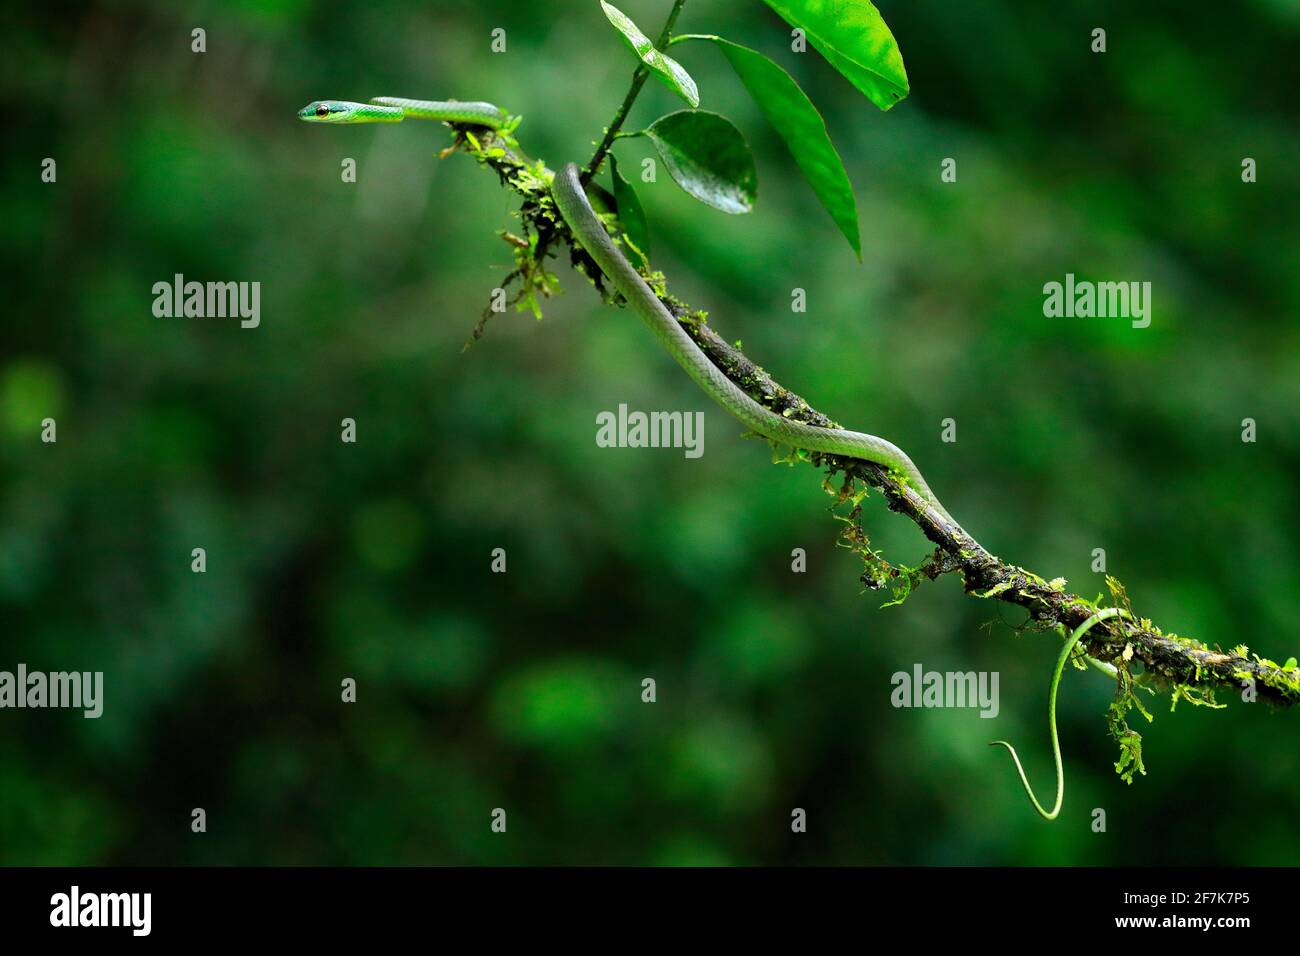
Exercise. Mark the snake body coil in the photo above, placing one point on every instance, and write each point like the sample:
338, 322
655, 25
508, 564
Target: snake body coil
582, 220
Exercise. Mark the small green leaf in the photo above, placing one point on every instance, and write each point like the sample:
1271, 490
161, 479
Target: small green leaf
602, 200
671, 73
797, 121
855, 40
707, 157
630, 214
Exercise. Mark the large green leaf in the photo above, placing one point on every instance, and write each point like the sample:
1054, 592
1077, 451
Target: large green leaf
707, 157
669, 71
855, 40
630, 213
801, 126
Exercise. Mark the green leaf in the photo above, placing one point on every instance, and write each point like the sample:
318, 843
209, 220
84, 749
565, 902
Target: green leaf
795, 118
707, 157
669, 71
602, 200
855, 40
630, 213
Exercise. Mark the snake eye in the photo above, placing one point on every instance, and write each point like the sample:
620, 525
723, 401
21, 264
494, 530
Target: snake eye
322, 110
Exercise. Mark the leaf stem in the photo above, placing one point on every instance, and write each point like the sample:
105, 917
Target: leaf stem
638, 81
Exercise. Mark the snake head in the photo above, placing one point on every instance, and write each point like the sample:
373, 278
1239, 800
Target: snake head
324, 111
341, 111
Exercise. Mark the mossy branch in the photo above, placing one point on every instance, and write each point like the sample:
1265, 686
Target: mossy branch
1188, 668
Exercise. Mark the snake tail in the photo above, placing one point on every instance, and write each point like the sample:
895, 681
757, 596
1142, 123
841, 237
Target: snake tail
1074, 639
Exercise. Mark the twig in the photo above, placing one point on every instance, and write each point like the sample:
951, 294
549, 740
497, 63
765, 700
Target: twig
638, 80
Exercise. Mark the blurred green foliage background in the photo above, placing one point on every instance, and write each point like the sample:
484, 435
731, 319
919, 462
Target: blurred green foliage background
522, 690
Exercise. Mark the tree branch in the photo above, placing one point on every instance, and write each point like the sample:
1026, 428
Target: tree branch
1175, 660
1170, 661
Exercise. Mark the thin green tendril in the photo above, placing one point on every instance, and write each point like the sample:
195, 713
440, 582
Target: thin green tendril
1078, 634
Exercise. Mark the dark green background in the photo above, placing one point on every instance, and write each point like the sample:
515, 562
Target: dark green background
521, 690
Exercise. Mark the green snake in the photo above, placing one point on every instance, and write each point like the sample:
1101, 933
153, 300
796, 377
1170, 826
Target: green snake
572, 202
574, 206
1074, 639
